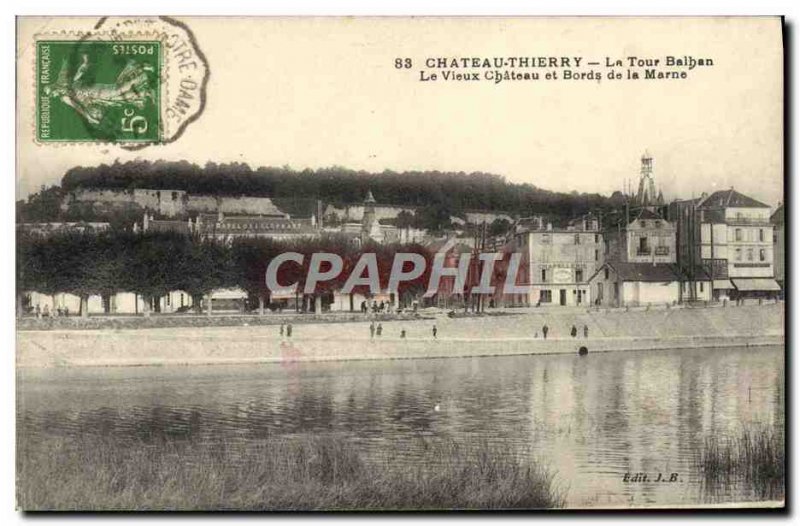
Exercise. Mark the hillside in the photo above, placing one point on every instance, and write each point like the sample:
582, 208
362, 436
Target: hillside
448, 192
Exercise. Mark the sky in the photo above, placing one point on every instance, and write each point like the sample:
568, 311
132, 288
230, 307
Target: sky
324, 92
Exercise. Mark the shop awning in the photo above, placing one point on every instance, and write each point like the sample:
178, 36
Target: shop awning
756, 284
285, 294
229, 294
723, 284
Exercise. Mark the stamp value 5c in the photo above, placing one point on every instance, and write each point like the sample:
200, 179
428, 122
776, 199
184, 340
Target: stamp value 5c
98, 91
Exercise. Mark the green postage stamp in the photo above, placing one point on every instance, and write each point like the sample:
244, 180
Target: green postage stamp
98, 91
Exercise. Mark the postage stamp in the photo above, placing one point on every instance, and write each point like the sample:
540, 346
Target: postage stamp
133, 82
98, 91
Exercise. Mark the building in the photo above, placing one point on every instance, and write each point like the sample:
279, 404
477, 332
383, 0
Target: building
226, 228
48, 229
166, 203
375, 226
778, 246
556, 262
119, 303
646, 238
733, 236
641, 252
624, 284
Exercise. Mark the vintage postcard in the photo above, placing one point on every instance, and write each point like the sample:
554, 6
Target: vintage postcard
506, 263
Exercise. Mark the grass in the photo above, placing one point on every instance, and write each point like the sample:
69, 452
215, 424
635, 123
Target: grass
289, 473
753, 458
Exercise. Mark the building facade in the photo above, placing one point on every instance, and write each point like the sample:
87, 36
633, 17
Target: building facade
734, 237
778, 246
647, 238
557, 263
167, 202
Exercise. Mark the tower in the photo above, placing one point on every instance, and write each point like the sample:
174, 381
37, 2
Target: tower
370, 229
646, 196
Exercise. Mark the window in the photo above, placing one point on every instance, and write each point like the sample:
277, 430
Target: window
606, 272
658, 224
644, 247
578, 274
738, 234
643, 223
577, 239
546, 296
701, 286
597, 238
544, 274
738, 254
596, 255
749, 254
762, 255
761, 234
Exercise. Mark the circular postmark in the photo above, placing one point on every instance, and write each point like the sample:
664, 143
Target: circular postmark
133, 82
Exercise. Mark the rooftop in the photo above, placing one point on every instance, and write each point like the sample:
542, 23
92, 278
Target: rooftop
730, 198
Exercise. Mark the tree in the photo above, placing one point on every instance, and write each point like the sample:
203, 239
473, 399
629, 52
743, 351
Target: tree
499, 227
151, 261
435, 218
250, 258
203, 266
405, 219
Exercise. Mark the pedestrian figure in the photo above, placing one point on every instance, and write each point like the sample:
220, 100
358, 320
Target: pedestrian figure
372, 330
545, 329
380, 330
46, 311
434, 331
283, 327
289, 331
403, 333
574, 331
585, 331
66, 311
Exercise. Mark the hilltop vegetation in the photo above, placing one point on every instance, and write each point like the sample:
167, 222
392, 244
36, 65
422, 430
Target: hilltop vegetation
450, 193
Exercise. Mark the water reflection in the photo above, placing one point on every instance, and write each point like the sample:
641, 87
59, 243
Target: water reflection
593, 419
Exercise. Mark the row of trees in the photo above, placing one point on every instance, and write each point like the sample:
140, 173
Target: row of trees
154, 263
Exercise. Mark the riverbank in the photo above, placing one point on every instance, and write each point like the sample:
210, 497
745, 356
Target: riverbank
642, 330
163, 321
277, 473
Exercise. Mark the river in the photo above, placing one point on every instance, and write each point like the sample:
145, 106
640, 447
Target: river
591, 419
